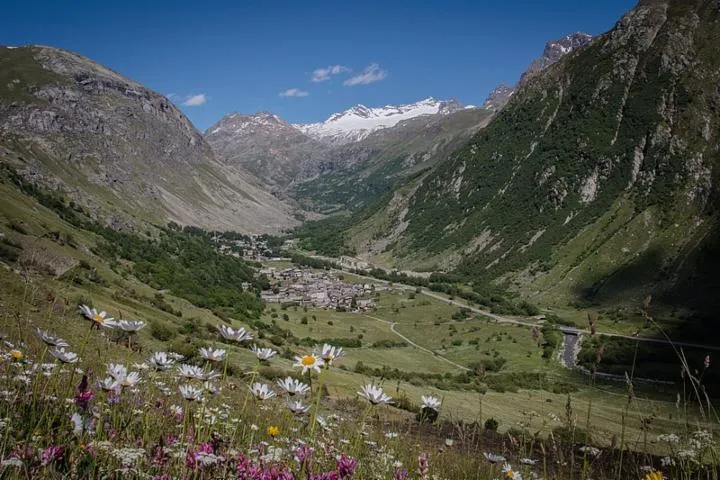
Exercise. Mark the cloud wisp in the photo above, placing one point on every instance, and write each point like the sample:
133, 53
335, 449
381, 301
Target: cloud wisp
322, 74
195, 100
372, 73
293, 92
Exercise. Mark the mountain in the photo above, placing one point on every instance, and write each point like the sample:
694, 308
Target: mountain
119, 148
359, 173
597, 183
268, 147
554, 51
360, 121
350, 159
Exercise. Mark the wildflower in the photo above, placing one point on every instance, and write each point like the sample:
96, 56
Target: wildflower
261, 391
228, 333
211, 388
528, 461
423, 466
211, 375
264, 354
298, 407
50, 339
592, 451
329, 354
653, 476
17, 355
175, 356
191, 371
391, 435
109, 384
374, 395
212, 355
117, 371
400, 474
669, 438
63, 356
493, 458
346, 466
191, 393
428, 401
273, 431
99, 319
51, 454
449, 442
130, 326
667, 462
509, 473
130, 380
293, 386
161, 361
308, 362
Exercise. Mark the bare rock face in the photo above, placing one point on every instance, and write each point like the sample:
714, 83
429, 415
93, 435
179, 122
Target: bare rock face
121, 148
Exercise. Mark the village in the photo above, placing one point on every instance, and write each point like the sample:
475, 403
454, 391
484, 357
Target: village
322, 289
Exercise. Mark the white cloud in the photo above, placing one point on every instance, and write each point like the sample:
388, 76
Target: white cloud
195, 100
293, 92
372, 73
322, 74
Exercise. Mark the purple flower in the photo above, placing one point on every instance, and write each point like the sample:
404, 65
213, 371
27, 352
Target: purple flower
346, 466
400, 474
325, 476
51, 454
423, 466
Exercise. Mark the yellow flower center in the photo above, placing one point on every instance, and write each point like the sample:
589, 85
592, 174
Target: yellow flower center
273, 431
16, 354
98, 318
308, 360
653, 476
510, 473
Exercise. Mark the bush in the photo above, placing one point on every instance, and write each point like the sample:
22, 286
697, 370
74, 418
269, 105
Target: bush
161, 331
491, 424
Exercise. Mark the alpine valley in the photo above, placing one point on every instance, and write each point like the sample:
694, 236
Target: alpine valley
532, 279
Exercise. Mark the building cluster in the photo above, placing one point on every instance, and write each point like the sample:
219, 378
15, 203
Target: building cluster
324, 289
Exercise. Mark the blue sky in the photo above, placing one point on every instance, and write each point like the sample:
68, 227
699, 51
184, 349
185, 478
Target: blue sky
242, 55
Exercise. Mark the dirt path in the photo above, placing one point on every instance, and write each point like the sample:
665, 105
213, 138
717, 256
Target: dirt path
410, 342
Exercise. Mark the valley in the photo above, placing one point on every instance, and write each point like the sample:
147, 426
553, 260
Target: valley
520, 288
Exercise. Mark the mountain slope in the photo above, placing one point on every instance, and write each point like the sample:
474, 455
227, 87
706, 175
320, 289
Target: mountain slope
117, 147
266, 146
598, 181
359, 173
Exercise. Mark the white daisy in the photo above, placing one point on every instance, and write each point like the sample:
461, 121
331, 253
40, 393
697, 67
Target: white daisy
117, 371
493, 458
293, 386
63, 356
297, 407
51, 340
261, 391
510, 473
130, 380
191, 371
375, 395
263, 353
109, 384
308, 362
99, 319
212, 355
328, 353
131, 326
428, 401
191, 393
161, 361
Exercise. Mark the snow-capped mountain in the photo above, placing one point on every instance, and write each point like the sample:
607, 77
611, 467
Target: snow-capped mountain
360, 121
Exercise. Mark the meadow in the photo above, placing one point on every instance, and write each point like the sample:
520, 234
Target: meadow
502, 409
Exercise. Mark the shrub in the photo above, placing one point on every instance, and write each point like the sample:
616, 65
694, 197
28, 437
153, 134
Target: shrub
161, 331
491, 424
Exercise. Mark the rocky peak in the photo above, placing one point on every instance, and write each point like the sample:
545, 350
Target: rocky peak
499, 97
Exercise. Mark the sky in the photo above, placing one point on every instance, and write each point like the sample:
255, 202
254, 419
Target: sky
305, 60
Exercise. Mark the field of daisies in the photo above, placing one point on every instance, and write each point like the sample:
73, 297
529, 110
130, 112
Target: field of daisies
67, 411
